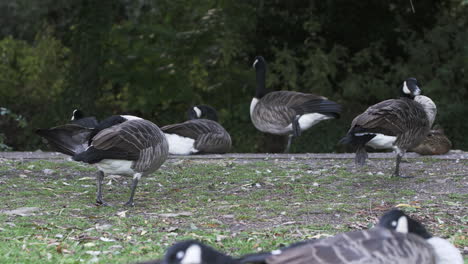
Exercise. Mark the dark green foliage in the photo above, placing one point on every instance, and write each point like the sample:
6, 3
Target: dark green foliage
156, 58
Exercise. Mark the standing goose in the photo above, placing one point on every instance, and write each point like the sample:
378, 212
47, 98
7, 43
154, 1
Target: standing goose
124, 145
395, 123
198, 135
444, 251
287, 112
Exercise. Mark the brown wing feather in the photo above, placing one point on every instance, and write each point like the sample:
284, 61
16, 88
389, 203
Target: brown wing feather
391, 117
377, 245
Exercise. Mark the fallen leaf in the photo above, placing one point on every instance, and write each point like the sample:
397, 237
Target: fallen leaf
22, 211
176, 214
122, 214
105, 239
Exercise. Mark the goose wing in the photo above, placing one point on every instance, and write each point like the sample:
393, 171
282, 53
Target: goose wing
390, 117
295, 103
68, 139
126, 140
193, 128
377, 245
209, 136
90, 122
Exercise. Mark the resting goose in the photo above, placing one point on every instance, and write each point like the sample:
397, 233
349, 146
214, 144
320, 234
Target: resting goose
377, 246
435, 143
287, 112
445, 252
395, 123
124, 145
198, 135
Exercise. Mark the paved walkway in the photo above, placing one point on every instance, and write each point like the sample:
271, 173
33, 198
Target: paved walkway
453, 154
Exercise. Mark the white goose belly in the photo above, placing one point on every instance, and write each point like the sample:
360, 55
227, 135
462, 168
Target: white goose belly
381, 141
119, 167
179, 145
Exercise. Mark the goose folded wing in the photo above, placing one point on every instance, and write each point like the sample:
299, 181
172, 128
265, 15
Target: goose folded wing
124, 141
213, 143
387, 117
191, 129
321, 106
68, 139
352, 247
90, 122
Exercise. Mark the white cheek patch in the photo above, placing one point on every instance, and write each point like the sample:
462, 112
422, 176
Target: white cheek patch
73, 114
276, 252
405, 88
180, 255
402, 225
130, 117
192, 255
197, 111
255, 62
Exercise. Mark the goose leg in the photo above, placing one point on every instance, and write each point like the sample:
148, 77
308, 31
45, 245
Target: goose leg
397, 167
288, 146
136, 177
99, 200
296, 127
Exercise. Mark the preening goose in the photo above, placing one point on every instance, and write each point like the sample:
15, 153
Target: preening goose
124, 145
198, 135
444, 251
78, 117
287, 112
395, 123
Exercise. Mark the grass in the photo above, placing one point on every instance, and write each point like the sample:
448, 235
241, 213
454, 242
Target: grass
236, 207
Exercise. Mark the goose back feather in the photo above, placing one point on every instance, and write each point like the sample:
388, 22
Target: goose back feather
208, 135
274, 112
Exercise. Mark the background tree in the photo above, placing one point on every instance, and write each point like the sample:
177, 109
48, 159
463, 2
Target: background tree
155, 58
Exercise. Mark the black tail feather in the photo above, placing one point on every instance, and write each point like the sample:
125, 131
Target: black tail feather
93, 155
68, 139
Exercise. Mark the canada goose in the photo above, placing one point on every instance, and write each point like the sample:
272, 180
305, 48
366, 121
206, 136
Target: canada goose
435, 143
197, 135
287, 112
445, 252
124, 145
397, 123
377, 245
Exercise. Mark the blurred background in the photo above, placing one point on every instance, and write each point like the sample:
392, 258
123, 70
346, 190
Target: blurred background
155, 58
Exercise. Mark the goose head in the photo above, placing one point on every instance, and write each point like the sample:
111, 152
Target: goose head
397, 220
410, 88
202, 111
194, 252
77, 114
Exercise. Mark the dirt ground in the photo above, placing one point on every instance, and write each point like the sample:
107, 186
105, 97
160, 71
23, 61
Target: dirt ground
251, 192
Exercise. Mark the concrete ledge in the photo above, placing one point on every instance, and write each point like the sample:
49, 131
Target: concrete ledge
453, 154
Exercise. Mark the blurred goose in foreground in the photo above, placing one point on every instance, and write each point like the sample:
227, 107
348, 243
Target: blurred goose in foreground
444, 251
79, 118
435, 143
199, 134
123, 145
396, 239
395, 123
287, 112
